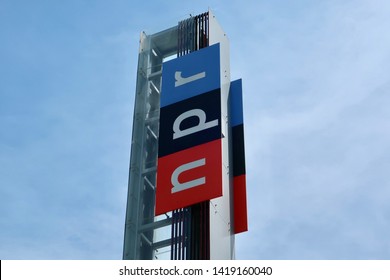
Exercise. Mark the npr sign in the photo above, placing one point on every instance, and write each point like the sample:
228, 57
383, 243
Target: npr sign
190, 139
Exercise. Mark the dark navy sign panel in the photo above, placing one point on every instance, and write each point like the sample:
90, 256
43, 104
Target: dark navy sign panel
238, 150
191, 122
190, 75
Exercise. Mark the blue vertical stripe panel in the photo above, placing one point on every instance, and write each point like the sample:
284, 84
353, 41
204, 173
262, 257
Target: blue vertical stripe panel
236, 106
238, 148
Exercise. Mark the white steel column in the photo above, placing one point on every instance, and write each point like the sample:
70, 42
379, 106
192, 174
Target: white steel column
221, 215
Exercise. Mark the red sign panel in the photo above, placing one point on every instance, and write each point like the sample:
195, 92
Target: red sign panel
189, 176
240, 206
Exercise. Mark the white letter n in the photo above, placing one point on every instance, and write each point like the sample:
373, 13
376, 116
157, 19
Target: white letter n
177, 186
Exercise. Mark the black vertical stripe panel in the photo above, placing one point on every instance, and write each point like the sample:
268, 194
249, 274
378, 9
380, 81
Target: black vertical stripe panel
238, 150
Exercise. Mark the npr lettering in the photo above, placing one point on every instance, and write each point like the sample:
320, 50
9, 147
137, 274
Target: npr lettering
189, 168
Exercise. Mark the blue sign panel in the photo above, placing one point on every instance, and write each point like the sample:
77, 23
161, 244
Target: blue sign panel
236, 107
190, 75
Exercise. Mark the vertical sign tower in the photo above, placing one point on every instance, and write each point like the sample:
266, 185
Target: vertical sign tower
186, 197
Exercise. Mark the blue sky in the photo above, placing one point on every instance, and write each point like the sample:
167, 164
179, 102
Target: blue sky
316, 97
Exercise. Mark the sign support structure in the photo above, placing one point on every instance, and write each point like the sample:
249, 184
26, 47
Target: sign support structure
187, 147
